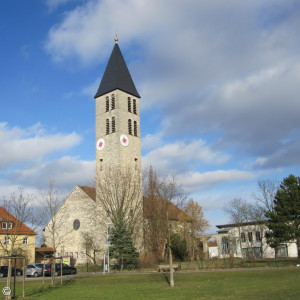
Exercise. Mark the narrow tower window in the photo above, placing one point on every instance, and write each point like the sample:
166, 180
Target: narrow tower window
135, 128
129, 104
129, 127
134, 106
107, 126
107, 104
113, 101
113, 125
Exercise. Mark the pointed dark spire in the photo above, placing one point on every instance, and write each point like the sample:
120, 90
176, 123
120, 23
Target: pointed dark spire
116, 75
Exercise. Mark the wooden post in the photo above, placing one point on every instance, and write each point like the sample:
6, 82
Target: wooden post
24, 274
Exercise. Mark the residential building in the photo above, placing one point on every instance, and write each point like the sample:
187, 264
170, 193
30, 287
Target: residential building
16, 238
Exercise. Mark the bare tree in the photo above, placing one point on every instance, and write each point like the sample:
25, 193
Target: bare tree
239, 212
193, 216
155, 222
265, 195
16, 212
53, 215
119, 195
91, 244
170, 193
168, 196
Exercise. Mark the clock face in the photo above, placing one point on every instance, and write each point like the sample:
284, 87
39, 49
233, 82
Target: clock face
124, 140
100, 144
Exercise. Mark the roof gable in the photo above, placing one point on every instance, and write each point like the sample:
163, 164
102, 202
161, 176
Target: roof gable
116, 76
6, 216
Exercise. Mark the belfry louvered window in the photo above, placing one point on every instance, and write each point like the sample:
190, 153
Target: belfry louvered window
135, 128
129, 104
113, 125
129, 127
113, 102
107, 104
107, 126
134, 106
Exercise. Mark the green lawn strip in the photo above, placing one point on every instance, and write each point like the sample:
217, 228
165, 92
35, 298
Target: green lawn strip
266, 284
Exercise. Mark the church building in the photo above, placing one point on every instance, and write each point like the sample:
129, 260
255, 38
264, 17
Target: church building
80, 228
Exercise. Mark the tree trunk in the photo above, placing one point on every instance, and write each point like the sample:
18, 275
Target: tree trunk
171, 268
298, 249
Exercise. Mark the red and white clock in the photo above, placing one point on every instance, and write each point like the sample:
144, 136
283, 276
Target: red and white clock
100, 144
124, 140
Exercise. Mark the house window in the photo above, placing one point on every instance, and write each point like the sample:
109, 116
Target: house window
129, 127
25, 241
107, 104
257, 252
4, 225
107, 126
129, 104
66, 254
245, 252
225, 245
113, 101
6, 241
113, 125
250, 236
10, 225
282, 251
76, 254
82, 255
243, 237
134, 106
135, 128
71, 254
257, 236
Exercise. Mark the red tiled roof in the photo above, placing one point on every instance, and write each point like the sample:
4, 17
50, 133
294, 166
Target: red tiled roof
90, 191
212, 244
6, 216
174, 211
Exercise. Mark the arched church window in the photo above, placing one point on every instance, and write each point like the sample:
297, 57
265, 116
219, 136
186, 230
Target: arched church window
135, 128
113, 102
107, 104
129, 127
134, 106
113, 125
129, 104
107, 126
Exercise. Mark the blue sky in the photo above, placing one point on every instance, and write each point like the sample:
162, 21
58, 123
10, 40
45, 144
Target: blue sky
219, 82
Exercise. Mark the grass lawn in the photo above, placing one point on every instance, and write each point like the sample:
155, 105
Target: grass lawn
265, 284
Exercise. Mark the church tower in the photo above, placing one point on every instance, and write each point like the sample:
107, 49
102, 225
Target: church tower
118, 147
118, 135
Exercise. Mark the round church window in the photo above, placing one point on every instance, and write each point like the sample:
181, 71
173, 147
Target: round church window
76, 224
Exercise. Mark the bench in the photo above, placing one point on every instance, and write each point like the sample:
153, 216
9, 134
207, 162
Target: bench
165, 268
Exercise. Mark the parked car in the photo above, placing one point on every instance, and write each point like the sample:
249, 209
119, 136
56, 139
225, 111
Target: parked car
4, 271
34, 270
65, 270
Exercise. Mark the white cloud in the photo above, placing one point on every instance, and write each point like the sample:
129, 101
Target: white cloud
180, 156
151, 141
196, 181
66, 172
31, 144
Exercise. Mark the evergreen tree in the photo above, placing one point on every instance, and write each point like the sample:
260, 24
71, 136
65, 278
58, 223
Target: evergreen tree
284, 219
121, 245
